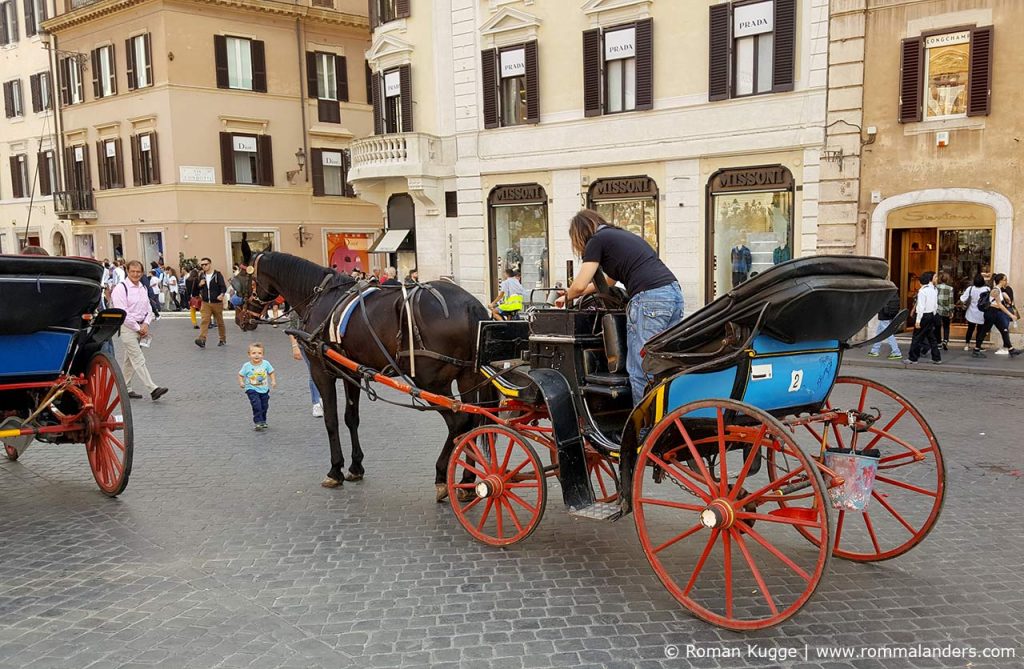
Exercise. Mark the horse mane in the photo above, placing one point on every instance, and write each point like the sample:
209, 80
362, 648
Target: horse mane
298, 273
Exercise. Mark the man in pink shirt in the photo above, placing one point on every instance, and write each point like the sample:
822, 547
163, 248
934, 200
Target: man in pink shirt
132, 296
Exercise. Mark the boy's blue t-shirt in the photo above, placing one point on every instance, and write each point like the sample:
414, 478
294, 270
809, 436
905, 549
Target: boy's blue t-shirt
257, 377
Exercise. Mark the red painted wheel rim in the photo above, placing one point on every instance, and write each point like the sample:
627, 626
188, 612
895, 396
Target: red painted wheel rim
749, 570
908, 493
516, 493
109, 443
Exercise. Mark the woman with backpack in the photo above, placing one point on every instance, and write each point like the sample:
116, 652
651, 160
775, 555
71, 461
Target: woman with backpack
975, 316
998, 315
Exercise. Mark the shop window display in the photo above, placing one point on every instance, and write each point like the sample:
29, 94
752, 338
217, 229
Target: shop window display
752, 232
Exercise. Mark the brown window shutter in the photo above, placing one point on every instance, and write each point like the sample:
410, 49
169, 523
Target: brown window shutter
148, 47
30, 18
37, 101
312, 82
405, 79
266, 160
136, 161
86, 168
227, 158
489, 78
259, 66
8, 100
113, 69
154, 153
718, 53
784, 56
64, 76
373, 14
979, 76
45, 187
378, 116
369, 81
129, 65
346, 160
69, 172
645, 64
101, 165
316, 169
402, 9
15, 177
592, 72
328, 111
118, 176
532, 82
97, 92
911, 80
341, 72
220, 58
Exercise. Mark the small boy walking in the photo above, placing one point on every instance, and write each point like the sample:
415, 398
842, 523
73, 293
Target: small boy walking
256, 378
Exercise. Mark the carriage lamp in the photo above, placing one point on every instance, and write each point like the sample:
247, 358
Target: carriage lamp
300, 160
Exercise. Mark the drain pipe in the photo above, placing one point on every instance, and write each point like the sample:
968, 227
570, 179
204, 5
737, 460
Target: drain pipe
299, 44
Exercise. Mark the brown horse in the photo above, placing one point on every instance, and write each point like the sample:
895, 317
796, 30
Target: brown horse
446, 321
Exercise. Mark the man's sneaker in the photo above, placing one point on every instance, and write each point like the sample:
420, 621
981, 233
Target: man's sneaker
263, 426
873, 355
222, 343
967, 348
258, 427
895, 356
1014, 352
910, 362
1003, 351
976, 353
318, 410
936, 362
201, 343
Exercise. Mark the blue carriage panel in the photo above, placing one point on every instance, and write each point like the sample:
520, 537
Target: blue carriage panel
36, 354
790, 375
694, 387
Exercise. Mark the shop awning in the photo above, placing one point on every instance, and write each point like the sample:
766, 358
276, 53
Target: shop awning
389, 241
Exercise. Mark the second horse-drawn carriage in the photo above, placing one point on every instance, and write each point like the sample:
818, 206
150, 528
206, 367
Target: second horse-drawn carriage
747, 465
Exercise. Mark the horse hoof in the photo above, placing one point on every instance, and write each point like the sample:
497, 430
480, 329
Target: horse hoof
330, 483
440, 492
353, 477
464, 495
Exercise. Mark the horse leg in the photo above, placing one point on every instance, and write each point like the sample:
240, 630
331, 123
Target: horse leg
325, 383
458, 423
352, 393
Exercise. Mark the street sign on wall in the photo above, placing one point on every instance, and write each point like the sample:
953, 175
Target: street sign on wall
190, 174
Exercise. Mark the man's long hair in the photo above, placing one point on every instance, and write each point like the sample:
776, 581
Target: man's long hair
583, 226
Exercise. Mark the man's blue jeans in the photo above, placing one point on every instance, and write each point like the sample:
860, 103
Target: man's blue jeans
314, 392
647, 314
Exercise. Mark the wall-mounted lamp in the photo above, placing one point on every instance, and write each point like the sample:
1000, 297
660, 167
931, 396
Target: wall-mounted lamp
303, 236
300, 160
45, 38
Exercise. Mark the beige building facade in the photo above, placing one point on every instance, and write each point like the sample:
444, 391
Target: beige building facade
191, 128
927, 94
28, 174
698, 126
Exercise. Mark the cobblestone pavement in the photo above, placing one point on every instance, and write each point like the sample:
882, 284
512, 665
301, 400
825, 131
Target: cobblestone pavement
224, 551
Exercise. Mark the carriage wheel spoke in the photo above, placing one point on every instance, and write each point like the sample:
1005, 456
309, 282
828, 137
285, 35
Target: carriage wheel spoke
519, 500
863, 396
748, 462
773, 550
672, 505
884, 431
757, 573
508, 456
117, 442
723, 477
767, 518
727, 568
471, 468
700, 562
906, 486
483, 516
512, 514
897, 516
771, 486
508, 477
871, 532
682, 478
523, 484
497, 511
679, 537
493, 449
709, 481
471, 503
488, 466
908, 455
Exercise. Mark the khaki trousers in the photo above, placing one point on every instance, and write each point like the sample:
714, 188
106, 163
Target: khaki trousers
216, 310
134, 363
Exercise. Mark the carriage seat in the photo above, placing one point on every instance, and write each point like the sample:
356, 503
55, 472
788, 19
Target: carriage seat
809, 299
38, 292
608, 370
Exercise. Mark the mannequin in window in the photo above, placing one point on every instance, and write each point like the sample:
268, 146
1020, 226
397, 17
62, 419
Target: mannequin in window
741, 261
782, 253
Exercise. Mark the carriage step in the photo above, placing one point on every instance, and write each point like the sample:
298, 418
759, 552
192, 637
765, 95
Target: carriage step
598, 511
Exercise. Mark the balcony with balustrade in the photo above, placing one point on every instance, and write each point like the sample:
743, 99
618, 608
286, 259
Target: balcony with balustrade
409, 155
77, 203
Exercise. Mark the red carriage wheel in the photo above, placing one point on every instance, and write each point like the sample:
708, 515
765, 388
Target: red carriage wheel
909, 487
496, 485
604, 476
110, 440
11, 451
708, 518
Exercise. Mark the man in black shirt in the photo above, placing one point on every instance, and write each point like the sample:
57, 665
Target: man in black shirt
655, 299
210, 288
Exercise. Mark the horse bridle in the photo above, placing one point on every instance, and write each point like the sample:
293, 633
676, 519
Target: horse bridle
254, 301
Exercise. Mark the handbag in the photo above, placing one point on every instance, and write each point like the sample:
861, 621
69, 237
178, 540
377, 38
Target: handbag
195, 302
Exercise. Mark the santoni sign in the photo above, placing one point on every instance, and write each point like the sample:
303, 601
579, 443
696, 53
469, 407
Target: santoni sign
771, 177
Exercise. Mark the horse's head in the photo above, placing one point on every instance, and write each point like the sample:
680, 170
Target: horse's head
256, 296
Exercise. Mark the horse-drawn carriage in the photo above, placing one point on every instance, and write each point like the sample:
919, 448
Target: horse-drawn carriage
56, 384
746, 466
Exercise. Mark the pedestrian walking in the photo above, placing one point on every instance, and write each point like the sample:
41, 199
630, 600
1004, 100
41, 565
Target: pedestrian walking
944, 310
975, 317
926, 333
150, 282
998, 316
133, 297
256, 378
173, 288
295, 323
211, 289
885, 316
191, 294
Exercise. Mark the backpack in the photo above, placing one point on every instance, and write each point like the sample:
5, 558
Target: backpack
984, 300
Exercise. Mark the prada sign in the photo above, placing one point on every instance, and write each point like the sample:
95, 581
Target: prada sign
519, 194
626, 187
771, 177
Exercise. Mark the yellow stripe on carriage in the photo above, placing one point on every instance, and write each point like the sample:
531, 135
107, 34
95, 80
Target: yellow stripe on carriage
4, 434
510, 392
